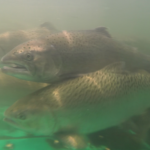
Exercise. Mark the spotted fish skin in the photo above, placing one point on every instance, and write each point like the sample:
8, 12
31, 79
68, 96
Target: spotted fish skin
84, 105
69, 54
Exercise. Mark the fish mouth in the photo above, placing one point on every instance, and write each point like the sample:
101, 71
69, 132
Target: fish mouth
10, 121
10, 65
14, 66
15, 69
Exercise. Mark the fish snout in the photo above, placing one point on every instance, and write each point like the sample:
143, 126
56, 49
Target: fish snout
6, 60
3, 60
13, 114
13, 117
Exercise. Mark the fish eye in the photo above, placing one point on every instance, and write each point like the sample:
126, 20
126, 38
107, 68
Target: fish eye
21, 116
28, 56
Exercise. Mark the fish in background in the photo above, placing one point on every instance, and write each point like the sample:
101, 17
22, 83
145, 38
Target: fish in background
10, 39
84, 105
112, 138
140, 126
70, 54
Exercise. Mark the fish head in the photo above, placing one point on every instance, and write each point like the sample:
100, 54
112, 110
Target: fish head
34, 60
32, 117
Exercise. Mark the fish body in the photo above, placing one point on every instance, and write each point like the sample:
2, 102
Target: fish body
70, 54
84, 105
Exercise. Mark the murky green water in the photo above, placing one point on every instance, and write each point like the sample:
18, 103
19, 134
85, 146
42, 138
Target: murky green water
127, 20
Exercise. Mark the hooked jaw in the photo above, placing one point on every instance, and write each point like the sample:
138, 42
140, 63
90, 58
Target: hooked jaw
15, 117
13, 121
35, 125
30, 71
15, 68
9, 119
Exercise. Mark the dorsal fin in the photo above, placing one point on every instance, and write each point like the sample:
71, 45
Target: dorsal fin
48, 26
103, 30
117, 67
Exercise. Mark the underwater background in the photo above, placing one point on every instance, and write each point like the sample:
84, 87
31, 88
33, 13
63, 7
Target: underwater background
127, 21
